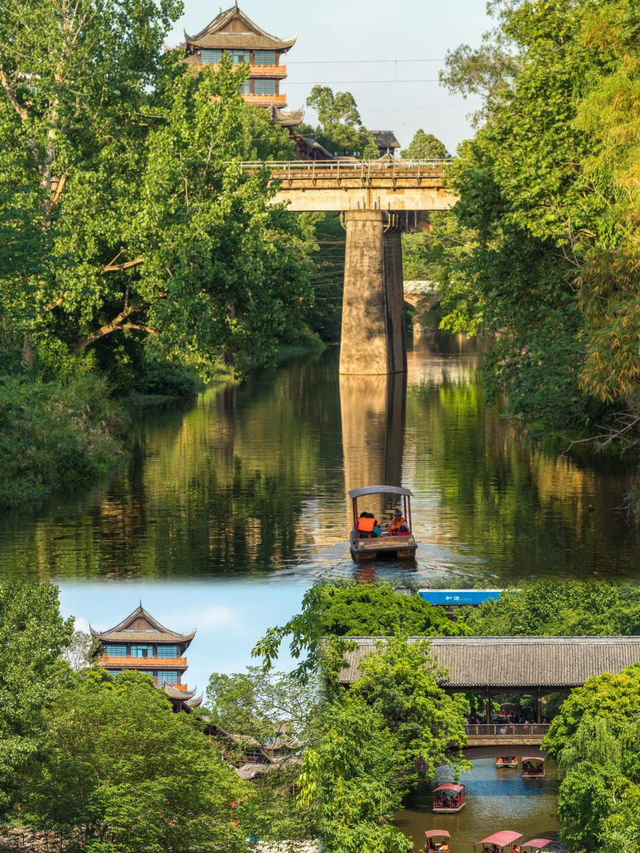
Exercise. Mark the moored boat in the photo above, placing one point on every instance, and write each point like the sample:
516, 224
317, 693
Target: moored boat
505, 841
537, 845
371, 539
532, 767
448, 798
507, 761
437, 841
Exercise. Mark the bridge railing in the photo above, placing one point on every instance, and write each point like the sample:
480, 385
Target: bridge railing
335, 168
507, 729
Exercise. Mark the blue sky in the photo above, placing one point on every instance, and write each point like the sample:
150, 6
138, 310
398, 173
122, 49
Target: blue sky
349, 44
229, 615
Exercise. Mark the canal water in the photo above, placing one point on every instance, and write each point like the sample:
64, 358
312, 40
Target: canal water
250, 482
495, 800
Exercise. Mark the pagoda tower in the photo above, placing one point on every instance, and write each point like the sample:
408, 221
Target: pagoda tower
142, 644
233, 33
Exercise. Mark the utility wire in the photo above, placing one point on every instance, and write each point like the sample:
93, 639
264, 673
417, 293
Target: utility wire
355, 61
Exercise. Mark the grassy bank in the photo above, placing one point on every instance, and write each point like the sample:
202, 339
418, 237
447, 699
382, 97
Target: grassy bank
55, 436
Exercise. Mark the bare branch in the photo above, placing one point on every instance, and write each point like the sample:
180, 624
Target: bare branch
24, 115
117, 267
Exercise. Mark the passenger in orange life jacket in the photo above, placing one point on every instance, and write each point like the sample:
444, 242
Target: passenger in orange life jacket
368, 526
398, 525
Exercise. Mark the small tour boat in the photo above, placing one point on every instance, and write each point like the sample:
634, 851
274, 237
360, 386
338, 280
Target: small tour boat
370, 538
507, 761
437, 841
537, 845
448, 798
505, 841
532, 767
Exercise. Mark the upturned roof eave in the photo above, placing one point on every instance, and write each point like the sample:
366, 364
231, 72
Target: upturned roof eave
215, 26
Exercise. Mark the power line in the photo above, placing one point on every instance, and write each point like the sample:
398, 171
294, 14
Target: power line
342, 82
356, 61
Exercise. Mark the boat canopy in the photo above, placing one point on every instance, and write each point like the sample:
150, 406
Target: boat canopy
449, 786
538, 843
436, 833
506, 836
533, 758
377, 490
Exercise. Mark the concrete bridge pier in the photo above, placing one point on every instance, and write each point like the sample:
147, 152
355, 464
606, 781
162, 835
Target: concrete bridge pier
373, 332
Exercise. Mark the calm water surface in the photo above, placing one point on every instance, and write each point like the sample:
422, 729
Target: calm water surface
251, 482
496, 800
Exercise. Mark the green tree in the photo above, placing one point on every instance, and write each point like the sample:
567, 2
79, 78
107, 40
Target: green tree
265, 708
353, 609
570, 608
424, 146
124, 773
595, 741
340, 127
145, 226
548, 190
32, 636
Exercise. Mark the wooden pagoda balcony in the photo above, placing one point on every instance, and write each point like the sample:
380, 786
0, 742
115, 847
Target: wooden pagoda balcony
130, 662
265, 100
271, 71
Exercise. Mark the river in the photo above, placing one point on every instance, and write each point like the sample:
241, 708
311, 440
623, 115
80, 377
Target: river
250, 481
495, 800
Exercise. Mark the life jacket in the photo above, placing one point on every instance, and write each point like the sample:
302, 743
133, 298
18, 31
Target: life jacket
396, 524
365, 527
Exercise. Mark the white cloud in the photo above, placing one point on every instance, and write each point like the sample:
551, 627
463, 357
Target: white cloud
81, 625
212, 616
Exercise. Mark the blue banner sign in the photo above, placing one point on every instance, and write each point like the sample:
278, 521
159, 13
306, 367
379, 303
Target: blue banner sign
452, 597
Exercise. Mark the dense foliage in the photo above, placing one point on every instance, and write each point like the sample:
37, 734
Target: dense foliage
353, 609
595, 741
55, 435
424, 146
542, 249
32, 635
339, 129
377, 739
124, 214
255, 710
557, 608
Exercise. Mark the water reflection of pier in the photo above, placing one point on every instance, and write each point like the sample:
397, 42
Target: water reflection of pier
373, 419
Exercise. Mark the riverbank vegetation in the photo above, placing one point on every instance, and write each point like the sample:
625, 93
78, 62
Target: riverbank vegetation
132, 245
594, 739
541, 253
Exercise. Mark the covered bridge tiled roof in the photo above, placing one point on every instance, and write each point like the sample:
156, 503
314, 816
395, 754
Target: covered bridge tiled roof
515, 661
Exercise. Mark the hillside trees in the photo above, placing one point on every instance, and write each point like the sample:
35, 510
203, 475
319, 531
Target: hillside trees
424, 146
125, 215
548, 192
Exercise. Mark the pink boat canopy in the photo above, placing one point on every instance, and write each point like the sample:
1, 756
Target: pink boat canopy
501, 839
436, 833
449, 786
538, 843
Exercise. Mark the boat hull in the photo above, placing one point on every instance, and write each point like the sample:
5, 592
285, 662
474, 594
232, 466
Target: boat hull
383, 547
439, 810
507, 764
533, 775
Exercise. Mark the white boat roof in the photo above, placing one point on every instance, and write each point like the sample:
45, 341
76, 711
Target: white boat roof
377, 490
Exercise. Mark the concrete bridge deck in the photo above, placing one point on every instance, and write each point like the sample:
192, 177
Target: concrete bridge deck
333, 185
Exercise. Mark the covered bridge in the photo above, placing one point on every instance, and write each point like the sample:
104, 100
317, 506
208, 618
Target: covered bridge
529, 665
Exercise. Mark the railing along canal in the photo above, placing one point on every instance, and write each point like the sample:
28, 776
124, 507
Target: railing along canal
507, 729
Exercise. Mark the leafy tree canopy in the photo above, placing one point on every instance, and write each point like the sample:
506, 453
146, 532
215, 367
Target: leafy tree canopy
118, 752
424, 146
340, 129
32, 636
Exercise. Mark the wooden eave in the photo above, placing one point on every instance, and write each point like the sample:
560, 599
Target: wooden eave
122, 633
251, 37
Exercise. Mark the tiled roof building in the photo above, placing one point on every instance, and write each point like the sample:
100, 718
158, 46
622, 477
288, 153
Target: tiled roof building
514, 662
142, 644
234, 33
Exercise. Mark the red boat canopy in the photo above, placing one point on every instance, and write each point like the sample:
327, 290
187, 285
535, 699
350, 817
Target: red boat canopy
501, 839
537, 758
449, 786
538, 843
433, 833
